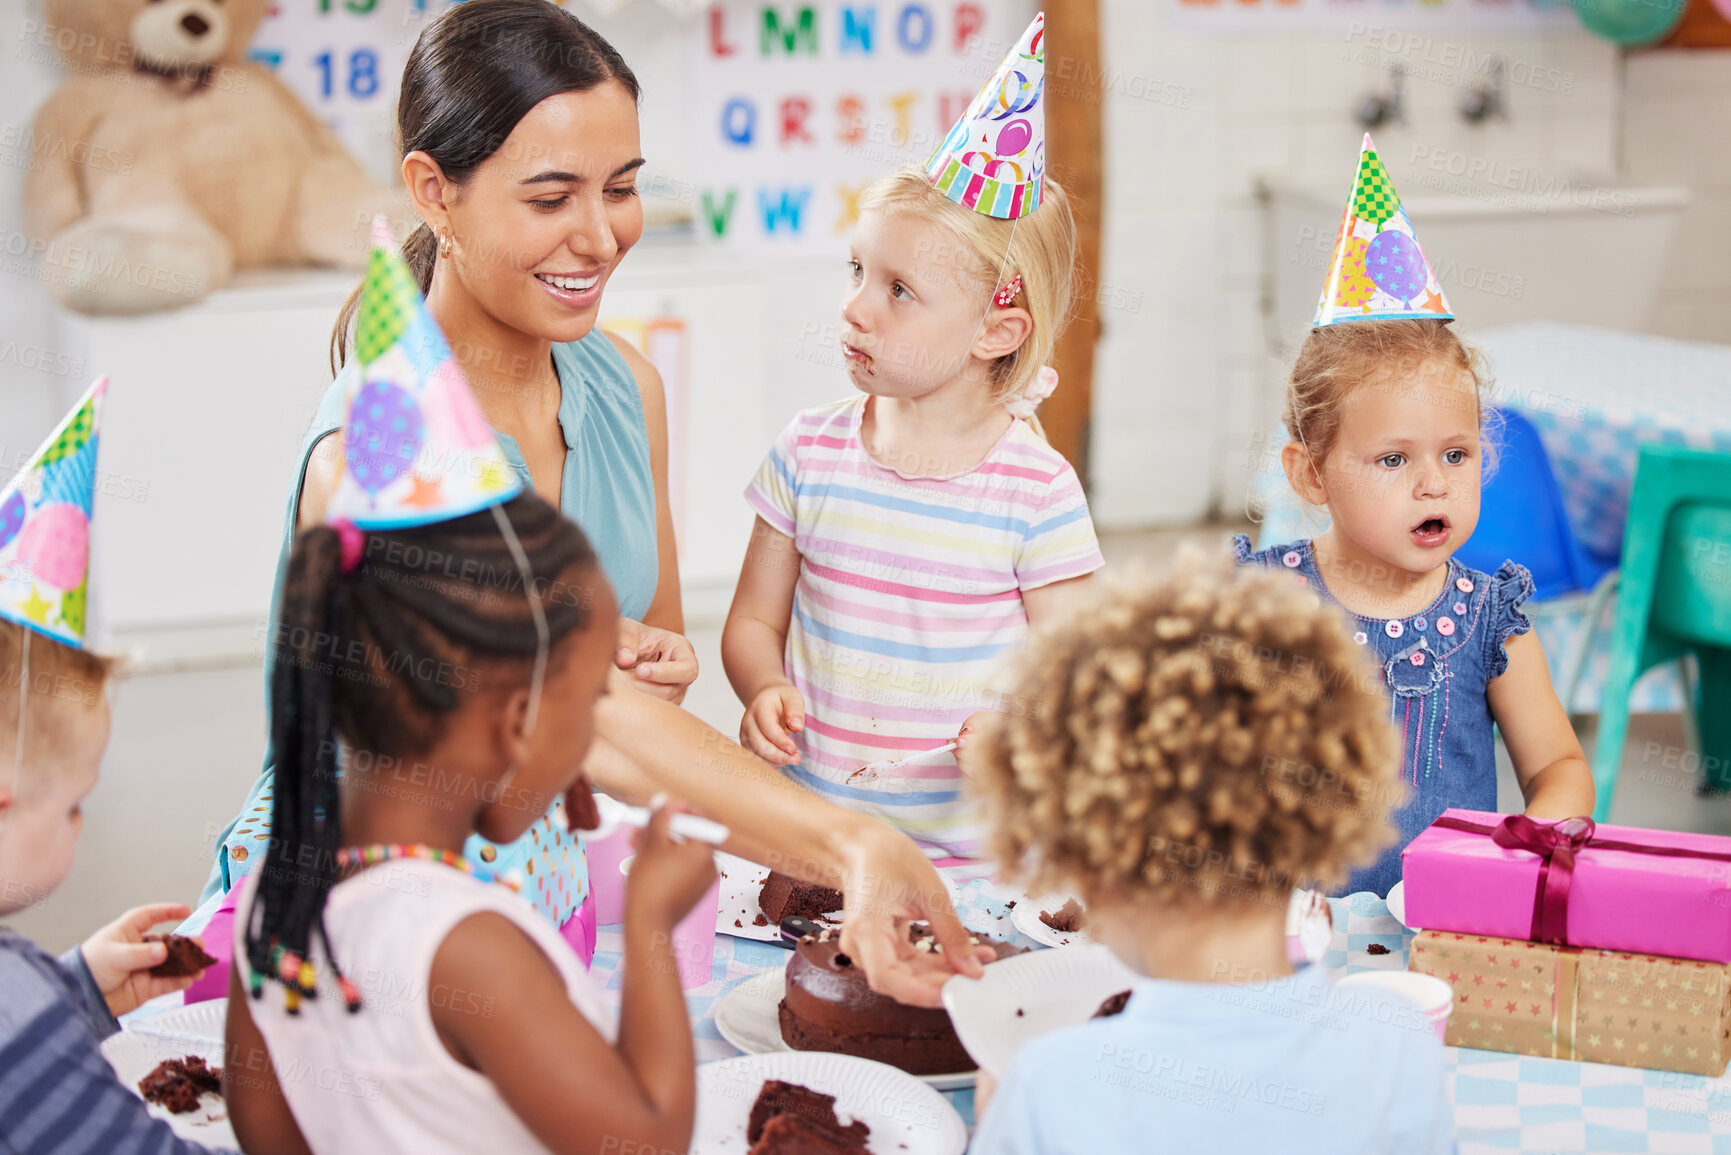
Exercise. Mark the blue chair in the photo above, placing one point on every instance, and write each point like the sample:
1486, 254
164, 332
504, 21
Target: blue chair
1522, 518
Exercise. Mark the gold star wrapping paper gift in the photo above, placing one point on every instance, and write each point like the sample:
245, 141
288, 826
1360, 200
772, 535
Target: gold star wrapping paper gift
1599, 1006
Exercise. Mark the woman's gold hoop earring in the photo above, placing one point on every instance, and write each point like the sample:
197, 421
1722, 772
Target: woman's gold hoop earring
445, 245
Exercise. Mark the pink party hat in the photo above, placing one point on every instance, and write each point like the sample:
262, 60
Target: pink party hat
1378, 272
416, 449
45, 526
994, 159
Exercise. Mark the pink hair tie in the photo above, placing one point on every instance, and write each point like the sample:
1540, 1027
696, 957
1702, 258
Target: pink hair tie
353, 541
1024, 403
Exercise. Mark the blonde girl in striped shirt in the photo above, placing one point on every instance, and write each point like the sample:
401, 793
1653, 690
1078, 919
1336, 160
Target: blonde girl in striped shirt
907, 535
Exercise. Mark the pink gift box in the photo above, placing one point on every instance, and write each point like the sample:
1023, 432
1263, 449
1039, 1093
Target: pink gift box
1663, 902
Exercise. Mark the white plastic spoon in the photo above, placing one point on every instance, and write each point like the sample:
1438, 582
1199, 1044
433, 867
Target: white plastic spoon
615, 814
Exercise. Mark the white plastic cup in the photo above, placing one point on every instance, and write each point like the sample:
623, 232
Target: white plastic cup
1432, 995
693, 939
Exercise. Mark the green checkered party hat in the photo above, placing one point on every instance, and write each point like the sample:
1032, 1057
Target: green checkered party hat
1378, 271
417, 448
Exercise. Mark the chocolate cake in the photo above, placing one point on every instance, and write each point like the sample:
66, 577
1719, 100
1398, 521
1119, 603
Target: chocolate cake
185, 956
830, 1006
1068, 919
797, 1135
178, 1083
1114, 1005
783, 895
777, 1099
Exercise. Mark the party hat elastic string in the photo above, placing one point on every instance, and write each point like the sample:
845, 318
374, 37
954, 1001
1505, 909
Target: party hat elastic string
23, 713
542, 634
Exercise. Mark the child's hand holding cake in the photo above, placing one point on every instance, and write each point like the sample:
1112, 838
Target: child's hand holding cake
121, 959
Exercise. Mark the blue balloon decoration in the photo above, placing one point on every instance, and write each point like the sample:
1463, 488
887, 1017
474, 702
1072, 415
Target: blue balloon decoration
1630, 22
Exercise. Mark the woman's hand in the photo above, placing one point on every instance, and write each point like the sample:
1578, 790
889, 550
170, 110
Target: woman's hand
890, 883
771, 721
661, 662
120, 960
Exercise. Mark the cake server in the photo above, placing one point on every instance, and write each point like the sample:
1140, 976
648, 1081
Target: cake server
797, 926
615, 814
874, 771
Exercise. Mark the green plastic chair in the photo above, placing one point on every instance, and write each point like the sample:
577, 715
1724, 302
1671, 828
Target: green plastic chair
1674, 602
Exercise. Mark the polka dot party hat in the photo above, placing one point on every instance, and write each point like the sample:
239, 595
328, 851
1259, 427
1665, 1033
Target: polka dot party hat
45, 527
994, 159
1378, 272
416, 447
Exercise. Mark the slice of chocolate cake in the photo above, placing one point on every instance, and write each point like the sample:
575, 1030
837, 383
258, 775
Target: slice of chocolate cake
797, 1135
783, 895
830, 1006
177, 1083
186, 956
777, 1099
1068, 919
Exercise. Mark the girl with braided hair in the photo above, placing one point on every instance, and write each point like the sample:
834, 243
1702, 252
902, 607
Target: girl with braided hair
420, 697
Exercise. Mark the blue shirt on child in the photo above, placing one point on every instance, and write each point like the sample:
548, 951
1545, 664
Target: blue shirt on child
58, 1095
1437, 665
1291, 1065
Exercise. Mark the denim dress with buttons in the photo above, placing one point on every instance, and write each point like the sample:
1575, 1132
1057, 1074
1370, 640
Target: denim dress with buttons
1437, 665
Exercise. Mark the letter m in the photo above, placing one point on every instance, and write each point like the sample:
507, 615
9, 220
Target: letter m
800, 34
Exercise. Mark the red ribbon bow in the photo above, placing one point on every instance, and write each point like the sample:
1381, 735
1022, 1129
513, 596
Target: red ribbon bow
1556, 844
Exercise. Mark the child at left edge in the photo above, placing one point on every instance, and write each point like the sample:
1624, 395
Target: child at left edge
907, 536
57, 1093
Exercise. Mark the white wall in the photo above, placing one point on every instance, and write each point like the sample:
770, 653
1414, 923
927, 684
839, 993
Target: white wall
32, 371
1184, 375
1677, 128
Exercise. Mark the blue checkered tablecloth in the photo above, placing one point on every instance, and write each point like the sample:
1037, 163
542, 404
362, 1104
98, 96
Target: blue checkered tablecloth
1595, 396
1502, 1102
1516, 1103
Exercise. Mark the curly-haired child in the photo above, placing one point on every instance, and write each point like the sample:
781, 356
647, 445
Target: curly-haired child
1386, 423
1184, 753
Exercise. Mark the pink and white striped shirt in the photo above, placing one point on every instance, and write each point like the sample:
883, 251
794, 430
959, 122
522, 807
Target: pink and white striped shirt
908, 600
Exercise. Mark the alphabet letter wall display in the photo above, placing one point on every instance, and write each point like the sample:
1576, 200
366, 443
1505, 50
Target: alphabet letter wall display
796, 107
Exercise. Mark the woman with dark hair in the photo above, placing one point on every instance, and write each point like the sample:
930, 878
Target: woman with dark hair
518, 125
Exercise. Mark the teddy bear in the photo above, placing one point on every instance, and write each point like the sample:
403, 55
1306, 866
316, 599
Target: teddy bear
169, 160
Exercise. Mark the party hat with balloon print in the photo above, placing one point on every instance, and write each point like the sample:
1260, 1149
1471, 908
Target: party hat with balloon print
994, 159
1378, 272
416, 448
45, 526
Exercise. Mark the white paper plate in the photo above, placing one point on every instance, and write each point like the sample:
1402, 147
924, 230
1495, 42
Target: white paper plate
199, 1021
1397, 905
1026, 918
747, 1017
740, 888
742, 883
905, 1116
134, 1055
1051, 988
